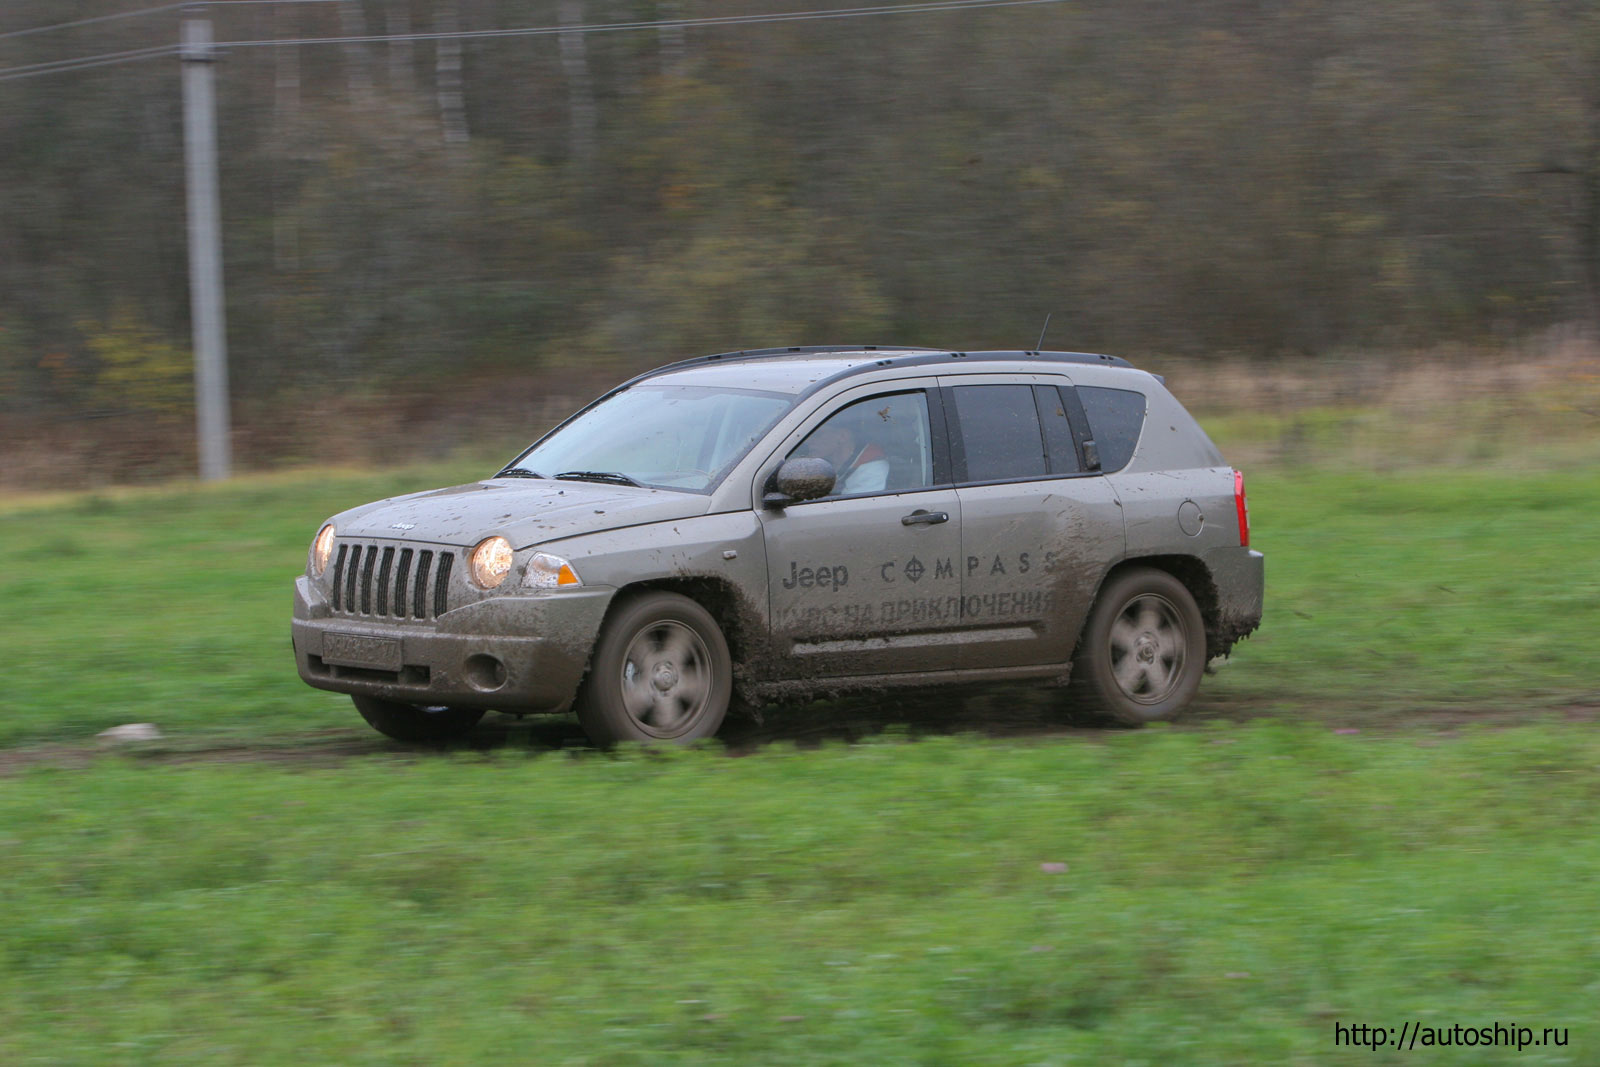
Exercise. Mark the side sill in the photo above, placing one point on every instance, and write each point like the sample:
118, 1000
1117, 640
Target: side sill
802, 689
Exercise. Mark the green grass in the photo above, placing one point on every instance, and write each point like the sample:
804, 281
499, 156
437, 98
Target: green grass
1230, 891
1444, 590
169, 606
1228, 895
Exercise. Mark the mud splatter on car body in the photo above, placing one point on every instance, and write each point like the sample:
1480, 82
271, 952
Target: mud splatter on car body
842, 518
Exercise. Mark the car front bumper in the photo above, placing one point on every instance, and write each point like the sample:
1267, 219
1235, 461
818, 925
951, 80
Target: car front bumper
508, 653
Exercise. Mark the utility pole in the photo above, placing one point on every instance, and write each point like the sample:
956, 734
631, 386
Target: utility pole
205, 249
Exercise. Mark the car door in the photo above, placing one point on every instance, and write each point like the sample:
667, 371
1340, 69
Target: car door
1037, 530
865, 579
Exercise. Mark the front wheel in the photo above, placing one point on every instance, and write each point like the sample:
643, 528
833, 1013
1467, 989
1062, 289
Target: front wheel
661, 672
1143, 648
416, 722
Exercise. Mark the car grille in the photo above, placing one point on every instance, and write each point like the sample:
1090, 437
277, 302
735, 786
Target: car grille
391, 581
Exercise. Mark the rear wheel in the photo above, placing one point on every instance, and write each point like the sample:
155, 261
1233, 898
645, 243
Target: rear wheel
1143, 648
661, 672
416, 722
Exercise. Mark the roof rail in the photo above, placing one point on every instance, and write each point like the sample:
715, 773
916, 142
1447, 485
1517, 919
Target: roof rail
1052, 357
936, 356
920, 356
769, 353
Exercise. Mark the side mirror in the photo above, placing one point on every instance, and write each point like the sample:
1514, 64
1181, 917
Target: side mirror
799, 479
1091, 455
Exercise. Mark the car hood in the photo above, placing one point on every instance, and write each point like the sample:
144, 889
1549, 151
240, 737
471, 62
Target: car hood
523, 511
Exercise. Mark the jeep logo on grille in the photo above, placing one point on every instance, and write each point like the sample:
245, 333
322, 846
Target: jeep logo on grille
402, 526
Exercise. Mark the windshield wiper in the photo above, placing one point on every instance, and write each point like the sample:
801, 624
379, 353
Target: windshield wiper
518, 472
613, 477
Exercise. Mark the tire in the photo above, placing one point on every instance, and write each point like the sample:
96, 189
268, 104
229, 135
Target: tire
1143, 648
661, 673
415, 722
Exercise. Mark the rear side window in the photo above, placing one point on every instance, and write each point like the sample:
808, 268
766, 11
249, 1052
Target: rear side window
1000, 436
1116, 418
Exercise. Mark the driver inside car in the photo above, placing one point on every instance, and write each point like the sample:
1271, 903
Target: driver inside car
861, 466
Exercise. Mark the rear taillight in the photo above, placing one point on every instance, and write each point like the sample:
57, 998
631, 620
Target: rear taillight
1242, 508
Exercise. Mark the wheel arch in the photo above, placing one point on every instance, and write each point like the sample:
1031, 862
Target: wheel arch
1196, 577
741, 622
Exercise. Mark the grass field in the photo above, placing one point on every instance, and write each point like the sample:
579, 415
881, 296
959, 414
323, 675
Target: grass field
1327, 838
1218, 896
1416, 591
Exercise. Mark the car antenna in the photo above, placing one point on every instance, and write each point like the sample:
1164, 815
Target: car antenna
1040, 346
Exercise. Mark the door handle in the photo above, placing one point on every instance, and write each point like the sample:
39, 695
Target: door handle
925, 518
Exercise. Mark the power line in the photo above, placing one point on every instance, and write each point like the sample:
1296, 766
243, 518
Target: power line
91, 21
922, 7
105, 59
929, 7
140, 12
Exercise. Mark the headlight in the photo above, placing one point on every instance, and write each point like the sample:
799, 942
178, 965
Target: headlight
322, 550
548, 572
490, 562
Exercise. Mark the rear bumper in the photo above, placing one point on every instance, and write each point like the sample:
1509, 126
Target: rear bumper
1240, 576
509, 653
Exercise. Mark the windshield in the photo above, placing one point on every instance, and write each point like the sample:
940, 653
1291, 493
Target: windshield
665, 436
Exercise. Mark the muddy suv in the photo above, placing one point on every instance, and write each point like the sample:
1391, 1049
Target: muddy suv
763, 526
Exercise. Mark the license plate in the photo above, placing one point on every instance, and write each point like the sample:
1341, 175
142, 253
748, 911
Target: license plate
359, 650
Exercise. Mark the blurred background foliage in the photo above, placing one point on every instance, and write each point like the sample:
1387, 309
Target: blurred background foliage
426, 230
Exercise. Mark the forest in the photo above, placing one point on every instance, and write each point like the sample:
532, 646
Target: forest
436, 211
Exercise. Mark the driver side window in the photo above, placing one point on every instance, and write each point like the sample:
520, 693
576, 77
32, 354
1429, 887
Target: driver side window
877, 445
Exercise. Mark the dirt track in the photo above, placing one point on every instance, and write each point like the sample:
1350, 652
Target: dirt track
994, 713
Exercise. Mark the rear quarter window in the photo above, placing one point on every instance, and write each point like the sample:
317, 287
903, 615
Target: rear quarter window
1116, 419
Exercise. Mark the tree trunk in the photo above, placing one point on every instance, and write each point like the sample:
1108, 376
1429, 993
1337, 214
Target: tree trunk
1589, 219
580, 89
447, 75
402, 54
285, 129
357, 61
671, 40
